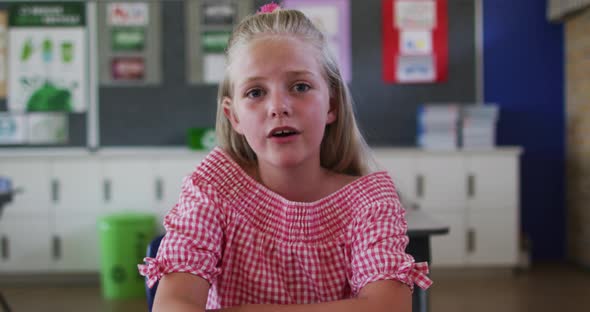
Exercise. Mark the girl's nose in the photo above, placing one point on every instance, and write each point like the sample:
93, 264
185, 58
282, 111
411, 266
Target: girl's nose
279, 106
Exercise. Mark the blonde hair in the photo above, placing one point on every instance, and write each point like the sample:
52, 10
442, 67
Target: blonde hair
343, 148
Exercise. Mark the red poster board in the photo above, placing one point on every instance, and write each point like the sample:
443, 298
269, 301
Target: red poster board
419, 67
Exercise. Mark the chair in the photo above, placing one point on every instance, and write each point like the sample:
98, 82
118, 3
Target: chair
152, 251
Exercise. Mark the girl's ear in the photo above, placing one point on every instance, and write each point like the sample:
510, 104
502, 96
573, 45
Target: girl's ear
333, 112
230, 114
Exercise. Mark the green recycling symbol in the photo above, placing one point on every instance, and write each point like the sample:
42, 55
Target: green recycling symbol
118, 274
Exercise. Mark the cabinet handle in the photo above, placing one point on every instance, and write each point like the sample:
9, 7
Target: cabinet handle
56, 248
55, 190
471, 185
106, 190
159, 189
5, 248
471, 240
420, 186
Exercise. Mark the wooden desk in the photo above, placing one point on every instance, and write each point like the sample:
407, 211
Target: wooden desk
420, 227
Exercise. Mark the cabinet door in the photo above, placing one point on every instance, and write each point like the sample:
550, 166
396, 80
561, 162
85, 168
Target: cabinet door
492, 237
170, 173
440, 182
25, 245
492, 181
449, 250
76, 187
32, 177
77, 244
128, 184
401, 167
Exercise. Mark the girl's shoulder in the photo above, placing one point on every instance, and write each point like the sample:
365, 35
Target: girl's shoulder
218, 170
375, 186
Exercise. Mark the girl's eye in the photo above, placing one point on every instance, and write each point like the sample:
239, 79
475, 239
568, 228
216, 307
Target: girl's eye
254, 93
301, 87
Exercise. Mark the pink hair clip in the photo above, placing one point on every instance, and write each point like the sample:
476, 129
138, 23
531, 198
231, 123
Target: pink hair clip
268, 8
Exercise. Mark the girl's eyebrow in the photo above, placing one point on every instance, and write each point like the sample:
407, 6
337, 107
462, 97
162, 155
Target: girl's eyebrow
291, 73
300, 73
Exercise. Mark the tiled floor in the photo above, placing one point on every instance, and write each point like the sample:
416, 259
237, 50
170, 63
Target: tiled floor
547, 288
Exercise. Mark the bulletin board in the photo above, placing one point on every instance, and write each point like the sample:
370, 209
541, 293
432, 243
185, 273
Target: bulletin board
44, 74
160, 114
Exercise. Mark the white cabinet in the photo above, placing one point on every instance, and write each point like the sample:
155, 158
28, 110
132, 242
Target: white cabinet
492, 214
26, 244
76, 187
492, 238
31, 175
449, 250
76, 244
440, 180
474, 193
170, 172
492, 180
401, 167
128, 184
51, 225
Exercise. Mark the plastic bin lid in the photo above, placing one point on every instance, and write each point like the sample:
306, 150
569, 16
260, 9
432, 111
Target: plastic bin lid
128, 218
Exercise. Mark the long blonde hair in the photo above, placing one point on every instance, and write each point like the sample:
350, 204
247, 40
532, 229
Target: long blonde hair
343, 148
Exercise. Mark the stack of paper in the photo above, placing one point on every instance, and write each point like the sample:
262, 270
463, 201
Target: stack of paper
437, 126
479, 126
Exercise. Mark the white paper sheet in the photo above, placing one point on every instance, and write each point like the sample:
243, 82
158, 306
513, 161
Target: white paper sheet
415, 14
13, 128
213, 68
47, 128
415, 68
416, 42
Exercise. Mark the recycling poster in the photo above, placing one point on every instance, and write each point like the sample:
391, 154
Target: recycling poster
47, 57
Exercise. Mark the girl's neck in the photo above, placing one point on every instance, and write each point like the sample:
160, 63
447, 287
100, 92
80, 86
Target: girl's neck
306, 183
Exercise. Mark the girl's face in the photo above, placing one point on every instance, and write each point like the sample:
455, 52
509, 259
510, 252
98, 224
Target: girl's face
280, 100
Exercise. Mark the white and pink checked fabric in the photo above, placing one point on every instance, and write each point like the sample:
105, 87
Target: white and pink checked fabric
254, 246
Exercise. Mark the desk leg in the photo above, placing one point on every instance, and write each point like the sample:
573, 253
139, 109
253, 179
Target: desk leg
4, 304
419, 248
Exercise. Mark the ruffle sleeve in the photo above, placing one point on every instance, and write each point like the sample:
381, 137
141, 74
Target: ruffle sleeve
378, 247
193, 239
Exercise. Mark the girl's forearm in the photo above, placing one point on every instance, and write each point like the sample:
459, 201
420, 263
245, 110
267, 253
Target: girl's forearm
357, 304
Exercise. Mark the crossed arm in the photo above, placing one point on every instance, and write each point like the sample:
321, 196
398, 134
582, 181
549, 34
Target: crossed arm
180, 292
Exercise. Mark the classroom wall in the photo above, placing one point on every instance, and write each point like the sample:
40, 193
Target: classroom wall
523, 73
577, 42
159, 115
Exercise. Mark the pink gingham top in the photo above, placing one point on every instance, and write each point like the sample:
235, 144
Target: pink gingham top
254, 246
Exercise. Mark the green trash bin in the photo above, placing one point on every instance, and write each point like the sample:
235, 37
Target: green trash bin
123, 241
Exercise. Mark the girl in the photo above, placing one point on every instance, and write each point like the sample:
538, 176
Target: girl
284, 215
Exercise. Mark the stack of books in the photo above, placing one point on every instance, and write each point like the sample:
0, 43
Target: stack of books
438, 126
479, 126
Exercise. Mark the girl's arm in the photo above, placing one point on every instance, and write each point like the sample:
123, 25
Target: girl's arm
387, 295
181, 292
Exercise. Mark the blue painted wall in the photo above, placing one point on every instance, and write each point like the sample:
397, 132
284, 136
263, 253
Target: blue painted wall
524, 74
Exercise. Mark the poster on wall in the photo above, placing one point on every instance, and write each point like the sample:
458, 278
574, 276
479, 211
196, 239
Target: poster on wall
209, 24
217, 20
47, 67
47, 128
3, 51
415, 41
129, 50
13, 128
332, 17
127, 14
127, 22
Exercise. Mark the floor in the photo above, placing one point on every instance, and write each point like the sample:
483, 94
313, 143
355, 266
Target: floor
542, 288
